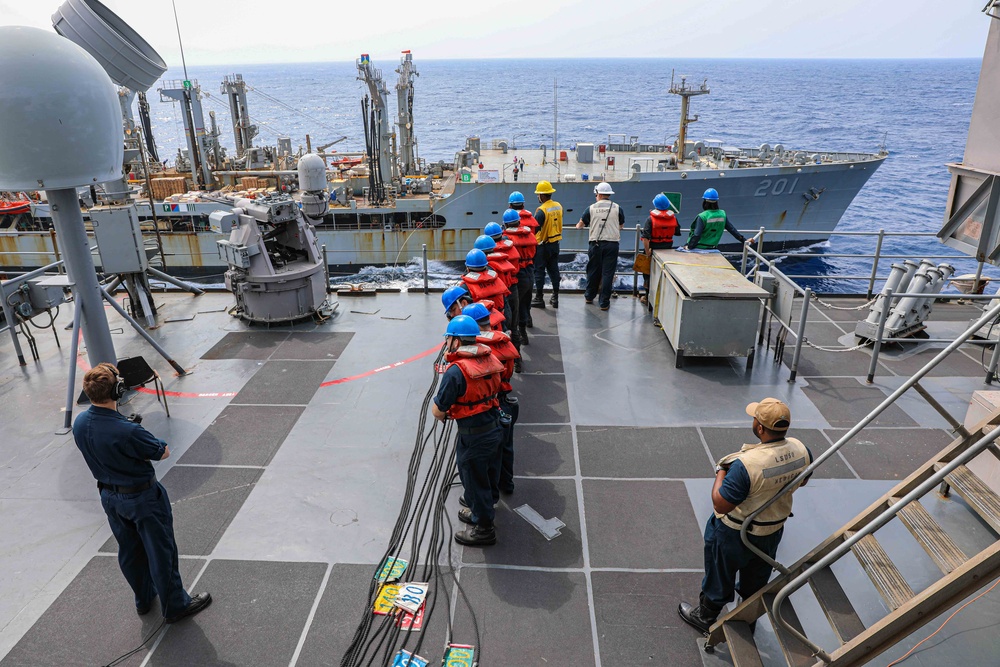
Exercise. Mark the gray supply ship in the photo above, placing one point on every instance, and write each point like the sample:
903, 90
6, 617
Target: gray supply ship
388, 202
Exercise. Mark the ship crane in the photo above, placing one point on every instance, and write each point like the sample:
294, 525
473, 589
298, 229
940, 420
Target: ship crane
379, 138
404, 106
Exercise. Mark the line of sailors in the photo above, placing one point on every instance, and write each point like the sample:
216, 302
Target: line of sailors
489, 314
488, 318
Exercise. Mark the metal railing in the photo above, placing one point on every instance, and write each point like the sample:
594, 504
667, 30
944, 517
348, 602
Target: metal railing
885, 516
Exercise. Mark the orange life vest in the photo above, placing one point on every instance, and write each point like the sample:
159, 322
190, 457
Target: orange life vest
525, 242
664, 226
481, 371
528, 220
499, 263
504, 350
486, 285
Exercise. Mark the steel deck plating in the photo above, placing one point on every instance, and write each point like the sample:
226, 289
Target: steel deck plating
284, 494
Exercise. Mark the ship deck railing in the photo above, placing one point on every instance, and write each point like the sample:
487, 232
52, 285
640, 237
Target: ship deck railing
875, 259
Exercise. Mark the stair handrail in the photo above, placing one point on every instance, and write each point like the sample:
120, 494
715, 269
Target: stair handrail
988, 316
869, 528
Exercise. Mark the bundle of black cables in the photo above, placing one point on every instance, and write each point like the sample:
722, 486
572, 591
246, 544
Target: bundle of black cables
421, 523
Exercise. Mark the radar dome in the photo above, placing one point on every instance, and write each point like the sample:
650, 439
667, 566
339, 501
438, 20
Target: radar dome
312, 173
60, 121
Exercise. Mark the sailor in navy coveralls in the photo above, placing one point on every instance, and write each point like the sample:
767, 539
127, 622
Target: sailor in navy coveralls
118, 452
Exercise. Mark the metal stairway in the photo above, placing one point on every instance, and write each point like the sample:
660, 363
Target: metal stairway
907, 610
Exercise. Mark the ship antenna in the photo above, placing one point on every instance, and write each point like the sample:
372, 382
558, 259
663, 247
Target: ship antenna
555, 123
177, 23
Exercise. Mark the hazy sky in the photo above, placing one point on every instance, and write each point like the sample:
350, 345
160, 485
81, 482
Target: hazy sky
229, 32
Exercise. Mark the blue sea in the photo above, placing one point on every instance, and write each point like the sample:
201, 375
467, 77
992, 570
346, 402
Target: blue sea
919, 108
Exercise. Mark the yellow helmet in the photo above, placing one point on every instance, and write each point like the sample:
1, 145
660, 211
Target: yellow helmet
544, 188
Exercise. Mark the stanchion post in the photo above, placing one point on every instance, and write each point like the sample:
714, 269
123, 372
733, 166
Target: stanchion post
800, 334
424, 252
760, 253
326, 268
991, 373
635, 256
878, 253
877, 347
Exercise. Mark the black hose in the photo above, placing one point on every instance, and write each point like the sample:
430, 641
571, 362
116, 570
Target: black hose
420, 526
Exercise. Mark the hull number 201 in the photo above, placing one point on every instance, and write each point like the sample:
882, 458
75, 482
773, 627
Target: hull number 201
775, 187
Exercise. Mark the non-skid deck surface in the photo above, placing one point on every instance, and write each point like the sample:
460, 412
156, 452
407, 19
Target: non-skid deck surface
285, 494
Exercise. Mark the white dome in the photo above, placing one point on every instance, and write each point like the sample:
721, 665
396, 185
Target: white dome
60, 120
312, 173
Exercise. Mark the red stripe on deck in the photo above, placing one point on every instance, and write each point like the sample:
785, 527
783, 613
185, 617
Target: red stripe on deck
85, 366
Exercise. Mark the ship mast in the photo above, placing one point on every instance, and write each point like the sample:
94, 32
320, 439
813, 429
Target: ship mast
686, 92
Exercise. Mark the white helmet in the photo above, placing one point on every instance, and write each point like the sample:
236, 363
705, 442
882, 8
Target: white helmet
603, 188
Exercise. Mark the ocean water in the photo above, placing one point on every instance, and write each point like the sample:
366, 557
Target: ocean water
919, 108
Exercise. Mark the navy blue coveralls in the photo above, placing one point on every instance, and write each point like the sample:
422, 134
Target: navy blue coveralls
478, 454
118, 453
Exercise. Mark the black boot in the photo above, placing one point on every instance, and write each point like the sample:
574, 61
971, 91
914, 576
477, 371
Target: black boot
524, 334
701, 618
477, 536
517, 365
554, 301
538, 301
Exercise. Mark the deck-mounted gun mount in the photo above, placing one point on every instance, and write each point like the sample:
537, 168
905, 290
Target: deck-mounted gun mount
276, 268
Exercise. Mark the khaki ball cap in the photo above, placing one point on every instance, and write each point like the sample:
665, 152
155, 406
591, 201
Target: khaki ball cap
772, 414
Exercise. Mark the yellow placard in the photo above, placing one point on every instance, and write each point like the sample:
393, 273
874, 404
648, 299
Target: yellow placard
386, 596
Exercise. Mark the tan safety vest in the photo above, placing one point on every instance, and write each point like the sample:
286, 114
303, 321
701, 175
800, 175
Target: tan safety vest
604, 221
551, 229
770, 466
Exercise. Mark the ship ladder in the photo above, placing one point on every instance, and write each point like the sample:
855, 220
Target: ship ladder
906, 610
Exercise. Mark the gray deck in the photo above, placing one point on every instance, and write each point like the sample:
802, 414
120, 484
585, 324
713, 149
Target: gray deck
284, 494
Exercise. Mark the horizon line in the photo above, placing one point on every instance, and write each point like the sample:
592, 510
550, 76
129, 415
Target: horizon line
624, 58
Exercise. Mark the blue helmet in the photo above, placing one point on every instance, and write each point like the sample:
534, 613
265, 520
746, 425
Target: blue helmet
476, 311
510, 216
476, 259
493, 229
711, 195
462, 326
451, 295
484, 243
661, 203
515, 198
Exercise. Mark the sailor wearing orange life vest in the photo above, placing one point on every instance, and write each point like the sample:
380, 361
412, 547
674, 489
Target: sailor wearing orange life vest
503, 349
506, 247
658, 232
468, 394
521, 227
504, 269
457, 297
482, 281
